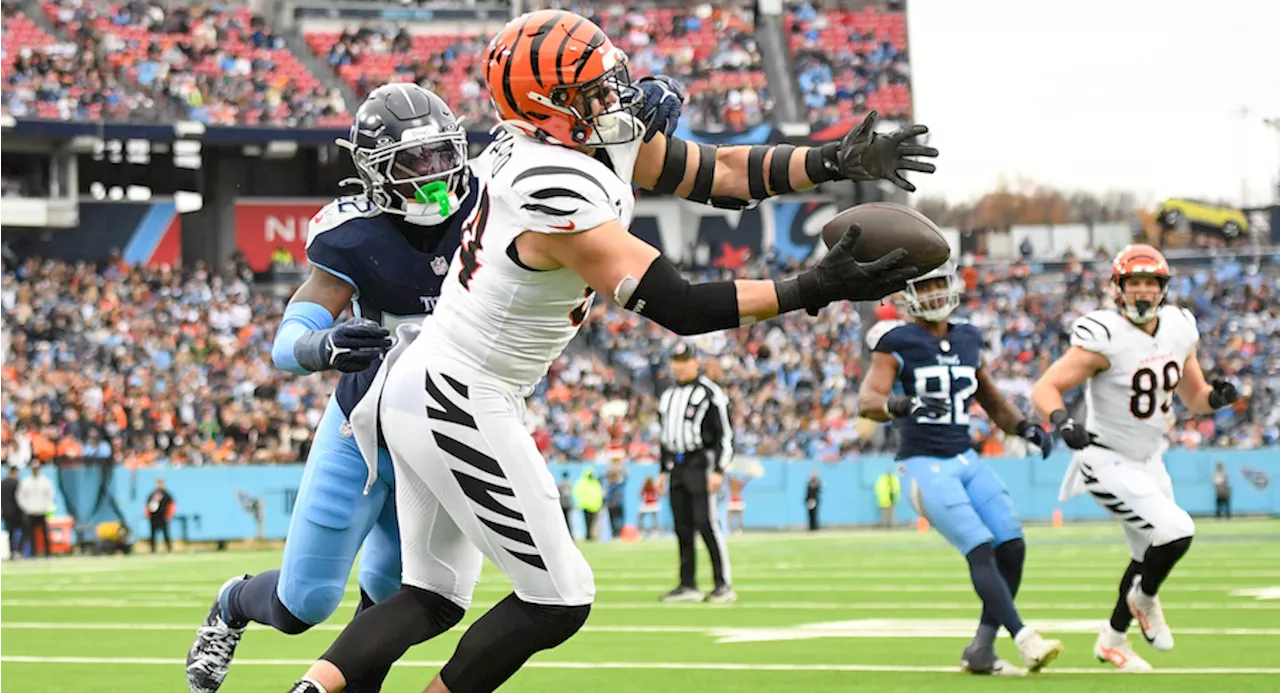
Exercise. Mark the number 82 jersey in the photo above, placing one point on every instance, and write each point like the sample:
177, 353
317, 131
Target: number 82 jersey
929, 366
1131, 403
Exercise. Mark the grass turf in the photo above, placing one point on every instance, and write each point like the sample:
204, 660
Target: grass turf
822, 612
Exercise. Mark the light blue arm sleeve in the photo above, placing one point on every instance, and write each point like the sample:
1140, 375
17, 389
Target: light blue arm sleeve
299, 319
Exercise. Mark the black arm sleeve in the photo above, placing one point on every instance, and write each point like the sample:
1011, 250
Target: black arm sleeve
664, 296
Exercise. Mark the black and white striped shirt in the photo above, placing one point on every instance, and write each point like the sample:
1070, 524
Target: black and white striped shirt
695, 417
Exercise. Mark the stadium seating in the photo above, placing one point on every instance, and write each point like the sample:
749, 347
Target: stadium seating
850, 61
222, 65
192, 382
710, 51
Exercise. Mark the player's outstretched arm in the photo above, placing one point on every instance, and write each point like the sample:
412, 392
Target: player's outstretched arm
733, 176
637, 277
307, 340
1007, 416
1198, 395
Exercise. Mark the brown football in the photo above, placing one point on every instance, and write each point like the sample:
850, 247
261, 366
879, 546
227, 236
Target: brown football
886, 226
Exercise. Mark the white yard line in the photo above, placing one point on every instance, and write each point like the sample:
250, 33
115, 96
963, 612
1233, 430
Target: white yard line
746, 604
685, 666
657, 588
707, 630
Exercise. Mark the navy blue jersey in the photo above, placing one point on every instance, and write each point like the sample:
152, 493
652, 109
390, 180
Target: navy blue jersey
396, 267
945, 367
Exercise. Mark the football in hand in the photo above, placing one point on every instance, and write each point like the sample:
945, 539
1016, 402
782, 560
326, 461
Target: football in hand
886, 226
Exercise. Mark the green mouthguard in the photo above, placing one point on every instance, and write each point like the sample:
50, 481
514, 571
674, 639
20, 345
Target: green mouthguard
434, 193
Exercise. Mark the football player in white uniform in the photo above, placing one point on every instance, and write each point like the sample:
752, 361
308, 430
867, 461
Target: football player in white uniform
549, 231
1131, 363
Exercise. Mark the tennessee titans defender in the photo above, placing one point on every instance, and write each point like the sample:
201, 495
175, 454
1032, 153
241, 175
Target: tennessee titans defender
384, 252
936, 366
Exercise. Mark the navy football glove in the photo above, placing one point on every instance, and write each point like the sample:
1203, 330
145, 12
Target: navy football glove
1073, 433
864, 154
1037, 436
1224, 393
902, 407
663, 101
350, 347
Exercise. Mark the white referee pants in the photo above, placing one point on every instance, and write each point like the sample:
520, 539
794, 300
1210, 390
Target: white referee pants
468, 477
1138, 494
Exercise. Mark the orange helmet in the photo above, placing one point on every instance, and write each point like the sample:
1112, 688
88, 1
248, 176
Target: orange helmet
555, 75
1139, 260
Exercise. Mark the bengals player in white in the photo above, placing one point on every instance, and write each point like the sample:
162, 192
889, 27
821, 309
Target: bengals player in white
549, 232
1132, 362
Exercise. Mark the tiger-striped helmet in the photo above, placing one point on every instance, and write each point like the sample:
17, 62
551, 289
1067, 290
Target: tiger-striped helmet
555, 75
1139, 260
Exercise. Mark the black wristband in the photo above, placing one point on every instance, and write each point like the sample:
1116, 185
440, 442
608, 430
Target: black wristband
822, 164
1059, 417
800, 291
1022, 427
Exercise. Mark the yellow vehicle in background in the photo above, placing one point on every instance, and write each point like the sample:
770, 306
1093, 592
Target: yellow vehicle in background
1203, 216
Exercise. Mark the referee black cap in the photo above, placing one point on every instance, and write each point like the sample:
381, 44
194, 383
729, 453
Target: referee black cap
683, 352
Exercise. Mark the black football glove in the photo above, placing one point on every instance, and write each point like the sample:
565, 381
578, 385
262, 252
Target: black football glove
1072, 432
903, 407
1224, 393
663, 101
840, 277
864, 154
1037, 436
350, 347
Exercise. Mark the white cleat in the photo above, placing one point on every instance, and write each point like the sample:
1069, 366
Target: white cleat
1150, 617
1115, 648
1037, 652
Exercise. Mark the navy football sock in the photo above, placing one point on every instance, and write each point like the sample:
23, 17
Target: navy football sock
255, 600
992, 589
1010, 556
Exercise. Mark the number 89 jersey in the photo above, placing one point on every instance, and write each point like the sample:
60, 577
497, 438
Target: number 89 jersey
930, 366
1131, 403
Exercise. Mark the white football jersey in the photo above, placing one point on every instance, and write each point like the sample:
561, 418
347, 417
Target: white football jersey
1131, 403
497, 314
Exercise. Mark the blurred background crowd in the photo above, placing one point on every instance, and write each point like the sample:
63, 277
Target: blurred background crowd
173, 367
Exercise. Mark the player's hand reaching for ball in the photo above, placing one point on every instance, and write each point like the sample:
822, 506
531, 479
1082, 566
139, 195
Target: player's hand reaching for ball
1223, 394
1037, 436
840, 277
1073, 433
864, 154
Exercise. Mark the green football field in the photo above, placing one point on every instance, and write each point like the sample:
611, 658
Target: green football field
831, 611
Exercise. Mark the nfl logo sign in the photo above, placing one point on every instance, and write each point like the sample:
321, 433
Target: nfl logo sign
439, 265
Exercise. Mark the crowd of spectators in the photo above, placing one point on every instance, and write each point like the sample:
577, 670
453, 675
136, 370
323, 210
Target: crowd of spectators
148, 60
222, 64
165, 366
848, 61
711, 50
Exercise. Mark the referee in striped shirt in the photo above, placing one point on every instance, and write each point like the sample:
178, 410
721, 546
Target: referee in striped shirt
697, 444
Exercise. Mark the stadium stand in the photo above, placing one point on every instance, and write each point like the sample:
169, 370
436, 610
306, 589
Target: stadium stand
174, 367
156, 61
850, 60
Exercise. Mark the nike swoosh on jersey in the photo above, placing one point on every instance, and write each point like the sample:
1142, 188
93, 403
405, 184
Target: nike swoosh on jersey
567, 227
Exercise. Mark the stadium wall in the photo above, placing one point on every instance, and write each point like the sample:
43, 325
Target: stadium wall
208, 500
